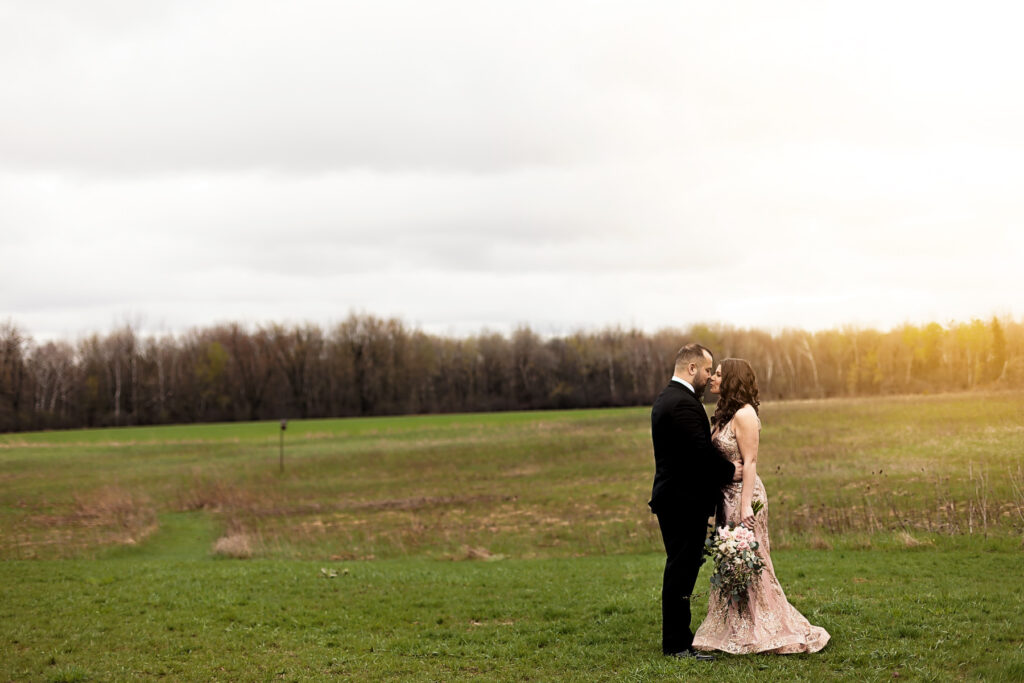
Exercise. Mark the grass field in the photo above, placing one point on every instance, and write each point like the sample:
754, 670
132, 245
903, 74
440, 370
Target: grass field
897, 525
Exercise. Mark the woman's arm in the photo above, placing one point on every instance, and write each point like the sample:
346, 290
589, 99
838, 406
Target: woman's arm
747, 438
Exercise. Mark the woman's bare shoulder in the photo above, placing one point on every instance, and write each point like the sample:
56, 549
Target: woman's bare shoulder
747, 417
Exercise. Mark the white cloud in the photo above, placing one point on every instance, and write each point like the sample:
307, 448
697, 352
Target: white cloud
467, 164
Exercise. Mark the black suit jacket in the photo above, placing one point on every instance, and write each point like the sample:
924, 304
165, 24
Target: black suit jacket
689, 471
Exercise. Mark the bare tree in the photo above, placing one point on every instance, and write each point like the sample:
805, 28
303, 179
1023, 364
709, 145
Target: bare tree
372, 366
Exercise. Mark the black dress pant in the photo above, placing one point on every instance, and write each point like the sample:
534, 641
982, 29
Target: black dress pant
683, 533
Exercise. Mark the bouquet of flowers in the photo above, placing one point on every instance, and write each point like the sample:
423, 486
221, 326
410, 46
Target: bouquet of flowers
737, 566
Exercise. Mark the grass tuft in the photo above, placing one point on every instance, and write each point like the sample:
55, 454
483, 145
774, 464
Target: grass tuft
237, 546
71, 674
909, 541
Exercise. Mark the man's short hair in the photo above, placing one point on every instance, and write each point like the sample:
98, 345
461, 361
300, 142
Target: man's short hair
692, 353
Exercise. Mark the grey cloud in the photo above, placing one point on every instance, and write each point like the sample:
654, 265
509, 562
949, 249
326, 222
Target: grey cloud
389, 85
307, 87
562, 164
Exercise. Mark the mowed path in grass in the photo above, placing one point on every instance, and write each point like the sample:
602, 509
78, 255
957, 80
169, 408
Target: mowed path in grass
109, 573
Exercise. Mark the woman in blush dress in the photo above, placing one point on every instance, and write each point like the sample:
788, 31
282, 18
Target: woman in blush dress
767, 622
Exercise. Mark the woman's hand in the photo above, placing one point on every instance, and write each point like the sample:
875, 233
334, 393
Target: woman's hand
747, 517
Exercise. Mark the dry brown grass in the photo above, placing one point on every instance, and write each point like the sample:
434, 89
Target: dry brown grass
236, 545
819, 542
479, 553
204, 493
909, 541
108, 515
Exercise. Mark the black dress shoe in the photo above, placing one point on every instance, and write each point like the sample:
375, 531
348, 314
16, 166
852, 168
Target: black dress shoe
691, 654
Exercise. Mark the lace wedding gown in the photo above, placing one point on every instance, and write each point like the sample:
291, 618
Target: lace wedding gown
768, 622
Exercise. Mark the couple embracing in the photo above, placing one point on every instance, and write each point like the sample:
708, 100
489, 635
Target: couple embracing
704, 470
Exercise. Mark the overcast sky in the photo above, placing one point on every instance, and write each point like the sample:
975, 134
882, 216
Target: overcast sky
470, 165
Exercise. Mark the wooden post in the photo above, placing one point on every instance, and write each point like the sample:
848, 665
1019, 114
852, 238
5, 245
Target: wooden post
284, 426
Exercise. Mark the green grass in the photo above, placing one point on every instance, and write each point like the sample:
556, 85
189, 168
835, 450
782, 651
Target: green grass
896, 524
260, 431
952, 611
534, 484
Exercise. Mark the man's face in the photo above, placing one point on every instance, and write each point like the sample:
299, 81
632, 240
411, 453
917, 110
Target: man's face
700, 378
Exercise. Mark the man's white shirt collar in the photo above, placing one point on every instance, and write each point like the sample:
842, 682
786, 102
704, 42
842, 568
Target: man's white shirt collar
684, 383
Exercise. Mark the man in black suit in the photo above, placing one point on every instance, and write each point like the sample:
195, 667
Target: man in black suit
689, 476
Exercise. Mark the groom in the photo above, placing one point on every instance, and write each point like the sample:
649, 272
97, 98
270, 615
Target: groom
689, 475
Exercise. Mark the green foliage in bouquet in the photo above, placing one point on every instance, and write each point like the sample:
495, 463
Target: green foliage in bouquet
737, 564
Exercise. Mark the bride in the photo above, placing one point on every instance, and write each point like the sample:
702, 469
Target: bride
768, 623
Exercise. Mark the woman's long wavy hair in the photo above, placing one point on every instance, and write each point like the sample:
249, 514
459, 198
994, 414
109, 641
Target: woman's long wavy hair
738, 388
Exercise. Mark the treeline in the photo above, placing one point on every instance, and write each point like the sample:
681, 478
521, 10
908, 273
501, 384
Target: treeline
370, 366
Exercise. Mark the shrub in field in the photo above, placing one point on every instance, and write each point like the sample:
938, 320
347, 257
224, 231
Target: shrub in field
238, 546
